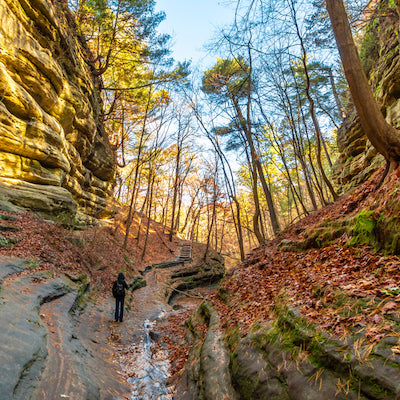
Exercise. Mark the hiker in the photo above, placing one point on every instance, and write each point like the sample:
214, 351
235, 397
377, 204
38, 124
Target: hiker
118, 292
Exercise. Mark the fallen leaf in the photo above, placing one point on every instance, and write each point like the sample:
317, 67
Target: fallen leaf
377, 319
389, 306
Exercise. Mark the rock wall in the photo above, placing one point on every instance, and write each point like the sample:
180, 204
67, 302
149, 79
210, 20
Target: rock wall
380, 53
54, 153
285, 358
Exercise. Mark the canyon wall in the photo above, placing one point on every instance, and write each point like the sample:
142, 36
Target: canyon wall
54, 154
380, 54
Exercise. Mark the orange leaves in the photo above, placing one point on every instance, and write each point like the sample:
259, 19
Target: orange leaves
396, 349
338, 288
389, 306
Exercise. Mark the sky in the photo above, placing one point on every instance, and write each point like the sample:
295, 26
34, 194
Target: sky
192, 23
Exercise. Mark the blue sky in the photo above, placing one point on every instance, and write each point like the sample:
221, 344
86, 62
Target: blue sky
191, 23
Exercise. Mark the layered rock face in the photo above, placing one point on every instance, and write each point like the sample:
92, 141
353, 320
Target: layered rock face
54, 153
380, 52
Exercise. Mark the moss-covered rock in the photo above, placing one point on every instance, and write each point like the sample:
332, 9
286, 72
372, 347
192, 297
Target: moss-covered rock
288, 358
208, 363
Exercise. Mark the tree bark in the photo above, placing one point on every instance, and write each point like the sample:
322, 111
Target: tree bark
150, 195
137, 167
175, 188
256, 160
335, 94
383, 136
318, 133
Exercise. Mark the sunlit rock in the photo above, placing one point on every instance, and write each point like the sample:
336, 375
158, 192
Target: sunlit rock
54, 154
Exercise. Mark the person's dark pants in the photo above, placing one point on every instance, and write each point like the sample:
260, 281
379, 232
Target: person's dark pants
119, 308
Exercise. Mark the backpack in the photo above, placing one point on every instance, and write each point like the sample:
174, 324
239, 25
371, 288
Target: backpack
118, 289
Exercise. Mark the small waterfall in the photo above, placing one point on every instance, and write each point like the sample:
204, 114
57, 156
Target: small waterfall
152, 370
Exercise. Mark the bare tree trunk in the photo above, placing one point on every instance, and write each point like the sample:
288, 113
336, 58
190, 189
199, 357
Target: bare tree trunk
318, 134
137, 167
195, 222
239, 230
290, 180
383, 136
223, 230
255, 159
297, 143
144, 206
148, 214
257, 213
230, 184
210, 227
165, 207
335, 94
190, 209
175, 188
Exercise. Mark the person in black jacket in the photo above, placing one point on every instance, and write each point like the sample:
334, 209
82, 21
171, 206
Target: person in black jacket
118, 291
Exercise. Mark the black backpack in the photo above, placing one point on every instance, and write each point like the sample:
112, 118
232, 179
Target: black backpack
118, 289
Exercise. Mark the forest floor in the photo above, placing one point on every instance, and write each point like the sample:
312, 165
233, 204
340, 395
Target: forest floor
36, 256
340, 288
96, 251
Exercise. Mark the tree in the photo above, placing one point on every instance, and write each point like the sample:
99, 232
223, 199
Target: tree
228, 176
231, 80
318, 133
383, 136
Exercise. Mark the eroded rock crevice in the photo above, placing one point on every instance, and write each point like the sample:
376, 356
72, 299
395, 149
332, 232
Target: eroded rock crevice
285, 358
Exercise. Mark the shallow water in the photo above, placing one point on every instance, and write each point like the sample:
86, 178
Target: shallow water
151, 369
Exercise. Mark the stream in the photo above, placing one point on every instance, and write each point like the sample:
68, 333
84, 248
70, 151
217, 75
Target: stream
144, 362
149, 382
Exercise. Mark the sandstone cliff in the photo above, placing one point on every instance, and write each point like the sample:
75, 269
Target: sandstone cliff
380, 53
54, 153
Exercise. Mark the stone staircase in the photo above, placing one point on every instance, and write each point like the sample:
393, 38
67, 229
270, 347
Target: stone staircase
185, 255
186, 252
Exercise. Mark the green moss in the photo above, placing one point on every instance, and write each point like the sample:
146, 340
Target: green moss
223, 294
378, 89
393, 291
291, 334
137, 283
369, 52
364, 229
374, 390
388, 234
247, 386
128, 260
189, 325
81, 298
7, 241
31, 263
232, 338
67, 220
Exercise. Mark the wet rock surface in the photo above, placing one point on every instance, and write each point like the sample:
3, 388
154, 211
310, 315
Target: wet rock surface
47, 350
59, 342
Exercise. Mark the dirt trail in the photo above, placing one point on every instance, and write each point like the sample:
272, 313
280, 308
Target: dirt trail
51, 349
145, 369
